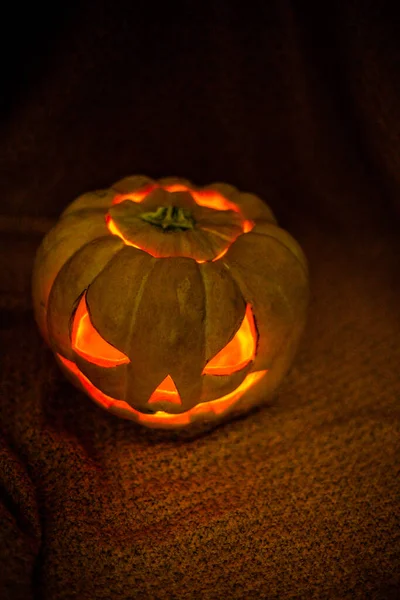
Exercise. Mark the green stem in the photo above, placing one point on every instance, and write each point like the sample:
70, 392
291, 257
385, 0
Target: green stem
170, 218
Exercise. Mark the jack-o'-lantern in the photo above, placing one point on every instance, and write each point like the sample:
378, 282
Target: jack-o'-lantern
170, 304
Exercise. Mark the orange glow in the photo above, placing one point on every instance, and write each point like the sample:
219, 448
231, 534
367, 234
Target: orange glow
247, 226
212, 199
217, 406
166, 391
115, 231
102, 399
176, 187
220, 255
208, 198
238, 352
89, 344
137, 195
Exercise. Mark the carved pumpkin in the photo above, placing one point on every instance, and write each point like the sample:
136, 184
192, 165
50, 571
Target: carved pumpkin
170, 304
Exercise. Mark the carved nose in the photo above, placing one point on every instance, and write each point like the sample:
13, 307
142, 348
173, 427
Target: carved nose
166, 392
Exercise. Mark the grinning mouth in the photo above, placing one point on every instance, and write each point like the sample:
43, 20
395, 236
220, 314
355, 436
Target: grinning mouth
217, 406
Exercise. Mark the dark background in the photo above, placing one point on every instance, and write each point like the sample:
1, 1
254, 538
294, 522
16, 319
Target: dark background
300, 103
295, 101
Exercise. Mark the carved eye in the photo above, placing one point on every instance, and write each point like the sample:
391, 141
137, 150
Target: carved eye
88, 343
238, 352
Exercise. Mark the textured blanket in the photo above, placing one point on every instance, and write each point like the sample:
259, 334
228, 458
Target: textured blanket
300, 498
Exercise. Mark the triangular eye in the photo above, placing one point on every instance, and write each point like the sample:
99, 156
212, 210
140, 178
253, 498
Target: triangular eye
238, 352
88, 343
166, 391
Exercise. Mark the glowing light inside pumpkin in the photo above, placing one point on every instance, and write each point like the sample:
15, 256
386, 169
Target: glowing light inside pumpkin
217, 406
247, 226
136, 196
220, 255
238, 352
208, 198
115, 231
166, 391
89, 344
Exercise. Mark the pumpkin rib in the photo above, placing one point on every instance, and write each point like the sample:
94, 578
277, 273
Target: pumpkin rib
99, 200
82, 212
135, 308
130, 184
221, 324
205, 215
167, 337
278, 305
214, 244
253, 208
220, 234
277, 286
247, 240
214, 285
225, 189
113, 298
131, 253
56, 249
65, 292
248, 291
300, 258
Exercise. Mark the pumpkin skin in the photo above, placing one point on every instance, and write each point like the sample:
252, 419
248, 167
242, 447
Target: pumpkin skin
170, 304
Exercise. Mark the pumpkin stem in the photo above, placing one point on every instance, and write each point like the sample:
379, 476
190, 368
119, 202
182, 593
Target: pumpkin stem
170, 218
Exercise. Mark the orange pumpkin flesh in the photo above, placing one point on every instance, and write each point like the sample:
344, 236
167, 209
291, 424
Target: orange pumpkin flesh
145, 332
